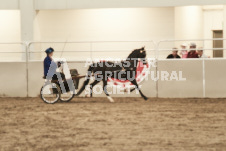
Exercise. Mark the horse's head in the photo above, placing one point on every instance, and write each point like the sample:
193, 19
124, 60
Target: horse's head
139, 54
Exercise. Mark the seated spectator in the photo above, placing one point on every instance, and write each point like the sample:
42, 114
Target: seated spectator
174, 54
184, 51
192, 53
200, 53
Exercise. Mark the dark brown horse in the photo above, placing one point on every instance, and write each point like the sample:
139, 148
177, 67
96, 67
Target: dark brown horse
125, 70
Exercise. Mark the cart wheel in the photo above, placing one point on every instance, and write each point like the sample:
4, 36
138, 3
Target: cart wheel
50, 93
66, 97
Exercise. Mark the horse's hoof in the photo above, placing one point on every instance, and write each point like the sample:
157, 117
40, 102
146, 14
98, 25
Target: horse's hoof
110, 99
145, 99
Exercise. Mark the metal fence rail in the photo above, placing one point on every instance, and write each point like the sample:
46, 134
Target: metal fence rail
90, 49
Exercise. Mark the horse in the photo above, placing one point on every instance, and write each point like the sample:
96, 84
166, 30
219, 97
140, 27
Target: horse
124, 70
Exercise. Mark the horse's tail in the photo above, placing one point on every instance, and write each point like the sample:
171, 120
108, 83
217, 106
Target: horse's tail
87, 78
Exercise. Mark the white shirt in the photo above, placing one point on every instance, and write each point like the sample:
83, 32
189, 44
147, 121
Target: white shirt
203, 56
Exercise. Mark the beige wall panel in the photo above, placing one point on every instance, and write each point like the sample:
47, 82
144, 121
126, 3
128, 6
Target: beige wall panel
35, 79
105, 24
191, 70
215, 78
13, 81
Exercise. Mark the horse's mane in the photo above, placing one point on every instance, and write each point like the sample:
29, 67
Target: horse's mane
134, 53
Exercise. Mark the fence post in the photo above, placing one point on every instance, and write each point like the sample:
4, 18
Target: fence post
203, 73
156, 70
26, 51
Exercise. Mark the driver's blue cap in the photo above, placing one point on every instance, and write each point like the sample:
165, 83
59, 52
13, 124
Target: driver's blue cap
49, 50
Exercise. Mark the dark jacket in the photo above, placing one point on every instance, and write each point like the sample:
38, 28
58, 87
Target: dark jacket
47, 63
171, 56
192, 55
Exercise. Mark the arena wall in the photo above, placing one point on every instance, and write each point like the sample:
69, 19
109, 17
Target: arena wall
14, 80
191, 87
215, 78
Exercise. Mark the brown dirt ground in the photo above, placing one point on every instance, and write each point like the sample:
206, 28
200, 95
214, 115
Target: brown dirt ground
129, 124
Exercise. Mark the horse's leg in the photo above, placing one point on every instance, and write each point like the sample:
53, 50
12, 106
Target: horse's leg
91, 87
134, 82
106, 92
131, 90
86, 82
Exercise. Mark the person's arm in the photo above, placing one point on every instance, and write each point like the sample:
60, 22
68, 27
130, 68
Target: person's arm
46, 66
47, 63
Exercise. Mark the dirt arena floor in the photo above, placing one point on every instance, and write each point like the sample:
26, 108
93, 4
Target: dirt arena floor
129, 124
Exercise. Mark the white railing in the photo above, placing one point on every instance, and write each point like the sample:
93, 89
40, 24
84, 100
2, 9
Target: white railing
80, 50
12, 48
154, 47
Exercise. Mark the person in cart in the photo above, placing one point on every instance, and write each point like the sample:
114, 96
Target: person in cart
51, 72
49, 63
